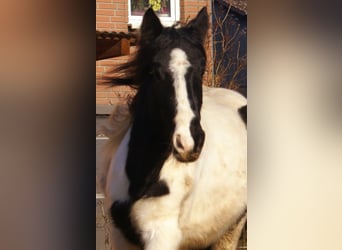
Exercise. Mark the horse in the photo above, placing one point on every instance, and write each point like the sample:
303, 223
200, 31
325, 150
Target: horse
176, 177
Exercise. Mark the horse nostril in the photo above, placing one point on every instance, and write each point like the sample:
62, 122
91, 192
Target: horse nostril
179, 143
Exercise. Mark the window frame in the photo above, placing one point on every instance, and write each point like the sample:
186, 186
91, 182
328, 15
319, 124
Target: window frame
135, 21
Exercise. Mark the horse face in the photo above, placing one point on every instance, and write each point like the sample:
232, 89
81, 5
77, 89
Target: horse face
188, 136
177, 69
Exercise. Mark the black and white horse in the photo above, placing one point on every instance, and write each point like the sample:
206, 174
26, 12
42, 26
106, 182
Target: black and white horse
178, 177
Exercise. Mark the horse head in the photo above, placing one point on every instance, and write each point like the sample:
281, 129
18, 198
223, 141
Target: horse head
175, 62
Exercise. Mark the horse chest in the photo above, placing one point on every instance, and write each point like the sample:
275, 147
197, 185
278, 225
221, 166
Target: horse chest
148, 213
179, 179
159, 216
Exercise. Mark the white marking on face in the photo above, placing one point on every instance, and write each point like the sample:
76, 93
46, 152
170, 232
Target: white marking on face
178, 66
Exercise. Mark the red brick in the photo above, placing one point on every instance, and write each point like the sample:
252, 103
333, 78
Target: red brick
105, 25
105, 12
100, 69
121, 88
118, 19
104, 1
109, 69
101, 95
192, 3
191, 10
102, 88
102, 101
115, 94
102, 18
123, 13
121, 6
122, 26
106, 6
118, 92
100, 82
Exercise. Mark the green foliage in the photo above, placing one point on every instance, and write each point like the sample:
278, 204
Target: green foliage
155, 4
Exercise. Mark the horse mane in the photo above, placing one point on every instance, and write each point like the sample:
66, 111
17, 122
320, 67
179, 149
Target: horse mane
133, 73
127, 74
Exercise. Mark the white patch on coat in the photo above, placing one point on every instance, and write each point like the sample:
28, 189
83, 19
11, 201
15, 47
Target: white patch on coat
178, 66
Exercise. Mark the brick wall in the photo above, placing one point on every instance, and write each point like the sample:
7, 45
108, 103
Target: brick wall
110, 95
190, 8
112, 15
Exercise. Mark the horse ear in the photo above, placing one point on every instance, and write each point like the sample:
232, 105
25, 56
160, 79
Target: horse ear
150, 27
200, 24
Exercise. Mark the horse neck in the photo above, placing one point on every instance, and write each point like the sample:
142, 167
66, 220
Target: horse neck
149, 146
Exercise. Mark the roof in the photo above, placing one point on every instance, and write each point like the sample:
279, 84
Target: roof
116, 35
239, 6
112, 44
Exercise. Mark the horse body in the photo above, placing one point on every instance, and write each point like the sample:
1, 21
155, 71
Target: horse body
178, 177
206, 196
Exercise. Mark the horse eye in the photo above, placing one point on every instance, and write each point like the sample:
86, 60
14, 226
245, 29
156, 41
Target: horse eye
158, 74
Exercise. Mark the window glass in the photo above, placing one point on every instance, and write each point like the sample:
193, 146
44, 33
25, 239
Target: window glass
161, 7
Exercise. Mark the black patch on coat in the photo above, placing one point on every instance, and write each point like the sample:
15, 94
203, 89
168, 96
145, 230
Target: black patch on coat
120, 213
207, 248
157, 189
243, 114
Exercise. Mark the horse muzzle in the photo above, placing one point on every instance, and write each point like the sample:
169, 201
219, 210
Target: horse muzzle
188, 148
186, 156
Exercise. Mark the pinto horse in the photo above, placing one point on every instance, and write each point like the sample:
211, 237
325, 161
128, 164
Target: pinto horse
178, 176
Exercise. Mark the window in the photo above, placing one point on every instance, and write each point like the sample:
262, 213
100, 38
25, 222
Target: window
167, 10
